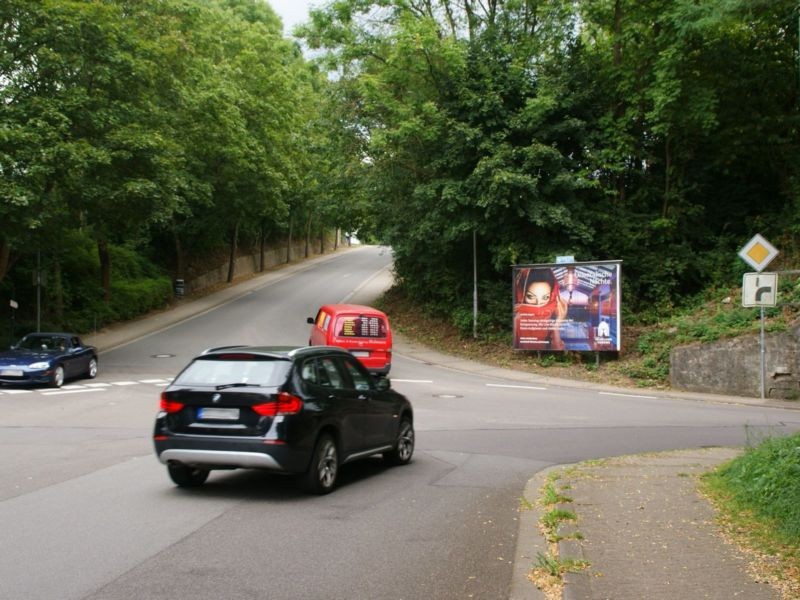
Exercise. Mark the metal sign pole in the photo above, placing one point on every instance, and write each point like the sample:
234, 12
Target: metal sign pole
762, 353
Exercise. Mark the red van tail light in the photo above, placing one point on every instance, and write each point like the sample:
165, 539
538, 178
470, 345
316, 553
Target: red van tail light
170, 406
286, 404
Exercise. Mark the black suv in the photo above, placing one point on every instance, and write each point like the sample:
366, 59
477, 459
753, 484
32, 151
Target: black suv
303, 411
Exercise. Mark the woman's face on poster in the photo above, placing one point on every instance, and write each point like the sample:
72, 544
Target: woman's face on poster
538, 293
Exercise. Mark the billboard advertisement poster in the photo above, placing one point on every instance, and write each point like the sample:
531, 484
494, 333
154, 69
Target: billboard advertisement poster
567, 306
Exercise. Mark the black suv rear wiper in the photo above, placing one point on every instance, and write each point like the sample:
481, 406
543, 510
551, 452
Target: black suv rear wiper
241, 384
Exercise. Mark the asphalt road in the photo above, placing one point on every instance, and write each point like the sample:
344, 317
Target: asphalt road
86, 511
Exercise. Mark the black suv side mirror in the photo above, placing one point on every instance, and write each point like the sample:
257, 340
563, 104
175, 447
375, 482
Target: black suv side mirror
310, 320
382, 384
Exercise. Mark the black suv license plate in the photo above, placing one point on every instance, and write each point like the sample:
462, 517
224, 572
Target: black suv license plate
227, 414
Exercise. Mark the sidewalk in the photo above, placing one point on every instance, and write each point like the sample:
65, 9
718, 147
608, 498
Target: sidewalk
647, 534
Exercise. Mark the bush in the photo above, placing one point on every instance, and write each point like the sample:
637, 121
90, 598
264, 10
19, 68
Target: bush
130, 299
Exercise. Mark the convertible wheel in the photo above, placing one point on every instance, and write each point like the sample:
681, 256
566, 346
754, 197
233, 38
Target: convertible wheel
404, 446
184, 476
58, 377
320, 478
91, 372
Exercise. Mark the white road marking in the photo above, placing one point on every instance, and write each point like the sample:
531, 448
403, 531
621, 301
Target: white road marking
627, 395
517, 387
68, 392
413, 380
95, 386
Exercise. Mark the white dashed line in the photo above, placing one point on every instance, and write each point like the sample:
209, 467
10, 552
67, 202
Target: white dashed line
73, 387
98, 385
413, 380
68, 392
626, 395
152, 381
125, 382
17, 391
516, 387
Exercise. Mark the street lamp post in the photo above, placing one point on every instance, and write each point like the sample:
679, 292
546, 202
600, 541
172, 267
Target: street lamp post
38, 290
474, 284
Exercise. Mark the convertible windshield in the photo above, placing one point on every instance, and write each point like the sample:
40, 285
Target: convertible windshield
42, 342
269, 373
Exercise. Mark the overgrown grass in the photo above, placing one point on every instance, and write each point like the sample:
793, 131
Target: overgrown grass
766, 481
758, 495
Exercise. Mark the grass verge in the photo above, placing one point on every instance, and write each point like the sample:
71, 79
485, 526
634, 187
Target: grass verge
757, 496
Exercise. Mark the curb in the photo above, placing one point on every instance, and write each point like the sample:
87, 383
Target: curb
577, 584
416, 351
529, 540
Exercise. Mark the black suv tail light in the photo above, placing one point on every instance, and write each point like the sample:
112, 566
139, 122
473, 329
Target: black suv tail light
285, 404
170, 406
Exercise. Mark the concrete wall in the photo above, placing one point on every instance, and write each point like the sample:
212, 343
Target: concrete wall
732, 366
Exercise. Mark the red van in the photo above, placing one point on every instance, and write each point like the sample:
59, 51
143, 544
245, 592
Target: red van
362, 330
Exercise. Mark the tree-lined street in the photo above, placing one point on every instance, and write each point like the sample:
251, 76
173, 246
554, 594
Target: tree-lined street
92, 513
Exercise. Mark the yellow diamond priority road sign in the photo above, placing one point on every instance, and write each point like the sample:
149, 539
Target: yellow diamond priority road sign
758, 253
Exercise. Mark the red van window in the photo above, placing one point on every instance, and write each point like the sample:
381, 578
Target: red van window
361, 326
323, 319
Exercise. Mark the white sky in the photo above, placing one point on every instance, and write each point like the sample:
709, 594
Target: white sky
293, 12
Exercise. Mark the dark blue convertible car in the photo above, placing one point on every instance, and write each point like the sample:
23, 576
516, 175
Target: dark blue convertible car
47, 359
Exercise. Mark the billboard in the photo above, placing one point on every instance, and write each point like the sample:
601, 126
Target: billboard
572, 306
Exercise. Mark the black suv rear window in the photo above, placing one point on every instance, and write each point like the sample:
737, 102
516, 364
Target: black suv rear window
361, 326
224, 371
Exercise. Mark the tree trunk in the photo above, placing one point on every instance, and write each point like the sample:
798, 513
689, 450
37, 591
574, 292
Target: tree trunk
619, 103
105, 269
5, 258
262, 248
667, 167
58, 293
308, 235
289, 243
322, 240
180, 257
232, 257
336, 239
617, 33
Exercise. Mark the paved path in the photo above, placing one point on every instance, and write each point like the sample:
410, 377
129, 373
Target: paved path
647, 532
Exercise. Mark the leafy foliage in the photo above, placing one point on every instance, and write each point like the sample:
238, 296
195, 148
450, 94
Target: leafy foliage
662, 133
168, 128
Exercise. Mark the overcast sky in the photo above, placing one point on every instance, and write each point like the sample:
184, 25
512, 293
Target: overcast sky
293, 12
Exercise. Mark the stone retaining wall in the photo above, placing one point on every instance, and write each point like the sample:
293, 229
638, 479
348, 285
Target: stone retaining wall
249, 264
732, 366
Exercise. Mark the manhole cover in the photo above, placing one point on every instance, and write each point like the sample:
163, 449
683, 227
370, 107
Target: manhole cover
447, 396
162, 356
